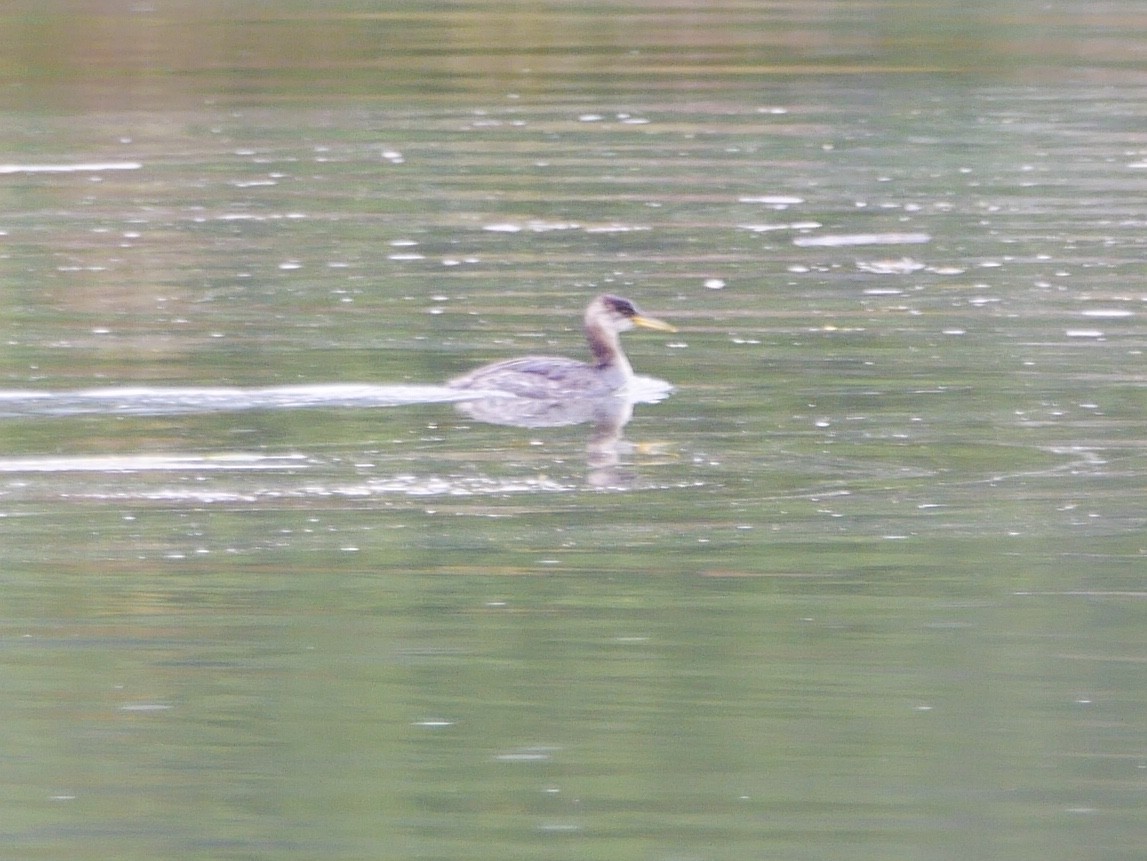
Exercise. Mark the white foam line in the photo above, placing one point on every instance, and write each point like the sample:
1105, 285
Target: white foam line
841, 240
81, 167
152, 462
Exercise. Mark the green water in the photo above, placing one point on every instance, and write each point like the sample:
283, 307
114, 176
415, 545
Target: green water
869, 584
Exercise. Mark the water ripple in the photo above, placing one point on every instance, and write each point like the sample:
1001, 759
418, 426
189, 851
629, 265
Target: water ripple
158, 400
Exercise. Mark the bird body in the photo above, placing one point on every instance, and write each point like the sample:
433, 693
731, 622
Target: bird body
558, 378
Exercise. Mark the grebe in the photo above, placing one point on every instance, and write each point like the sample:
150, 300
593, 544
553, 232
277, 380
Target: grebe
556, 378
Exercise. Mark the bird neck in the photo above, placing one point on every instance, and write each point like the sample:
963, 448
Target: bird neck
605, 345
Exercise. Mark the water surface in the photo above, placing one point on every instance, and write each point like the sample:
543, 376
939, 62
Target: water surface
868, 583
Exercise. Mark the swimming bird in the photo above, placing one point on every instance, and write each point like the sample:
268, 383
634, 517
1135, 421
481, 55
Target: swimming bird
555, 378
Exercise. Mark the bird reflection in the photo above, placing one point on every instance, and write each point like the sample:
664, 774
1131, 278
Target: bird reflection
608, 415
